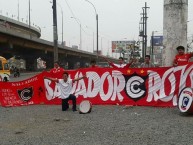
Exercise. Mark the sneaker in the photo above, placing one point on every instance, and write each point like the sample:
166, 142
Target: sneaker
74, 110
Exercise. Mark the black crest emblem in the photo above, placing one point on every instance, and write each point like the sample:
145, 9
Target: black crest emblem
135, 86
25, 94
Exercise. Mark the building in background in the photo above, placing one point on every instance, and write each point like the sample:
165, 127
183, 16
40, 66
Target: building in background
126, 49
156, 49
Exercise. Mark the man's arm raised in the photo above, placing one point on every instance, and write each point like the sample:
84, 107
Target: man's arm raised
52, 79
110, 63
77, 79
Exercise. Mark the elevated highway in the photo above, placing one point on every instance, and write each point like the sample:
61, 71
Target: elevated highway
25, 42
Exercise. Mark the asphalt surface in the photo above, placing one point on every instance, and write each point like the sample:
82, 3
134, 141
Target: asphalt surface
23, 76
105, 125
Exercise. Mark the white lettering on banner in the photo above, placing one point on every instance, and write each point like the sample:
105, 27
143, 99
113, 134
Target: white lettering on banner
157, 84
168, 74
182, 80
110, 87
114, 89
108, 95
191, 78
74, 85
93, 84
118, 86
57, 91
9, 97
154, 86
50, 93
49, 90
81, 86
16, 84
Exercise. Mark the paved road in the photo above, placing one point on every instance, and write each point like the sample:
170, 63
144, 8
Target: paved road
105, 125
23, 76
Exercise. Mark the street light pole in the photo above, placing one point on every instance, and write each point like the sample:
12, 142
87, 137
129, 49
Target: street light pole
78, 21
29, 19
96, 26
97, 35
152, 43
93, 42
80, 37
62, 31
18, 10
55, 33
92, 38
62, 25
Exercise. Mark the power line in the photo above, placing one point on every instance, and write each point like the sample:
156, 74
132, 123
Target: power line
71, 10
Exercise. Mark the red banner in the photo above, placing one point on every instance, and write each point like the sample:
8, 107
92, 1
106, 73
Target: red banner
132, 86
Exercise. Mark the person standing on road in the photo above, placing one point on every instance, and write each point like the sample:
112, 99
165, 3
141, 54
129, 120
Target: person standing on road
57, 71
66, 87
16, 72
182, 58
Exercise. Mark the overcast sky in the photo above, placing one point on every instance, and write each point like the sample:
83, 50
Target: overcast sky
118, 19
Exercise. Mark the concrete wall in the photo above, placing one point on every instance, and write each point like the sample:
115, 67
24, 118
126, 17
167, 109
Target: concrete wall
174, 28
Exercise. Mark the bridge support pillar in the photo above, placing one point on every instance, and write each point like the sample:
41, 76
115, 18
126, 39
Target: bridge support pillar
174, 28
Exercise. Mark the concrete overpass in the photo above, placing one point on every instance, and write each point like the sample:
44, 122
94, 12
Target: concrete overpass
29, 46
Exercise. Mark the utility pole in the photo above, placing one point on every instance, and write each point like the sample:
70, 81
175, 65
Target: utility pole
144, 50
30, 19
143, 32
145, 25
152, 43
62, 22
18, 10
97, 36
55, 33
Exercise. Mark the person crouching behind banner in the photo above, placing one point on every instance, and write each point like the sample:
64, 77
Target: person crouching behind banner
182, 58
57, 71
147, 63
66, 88
93, 64
121, 63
